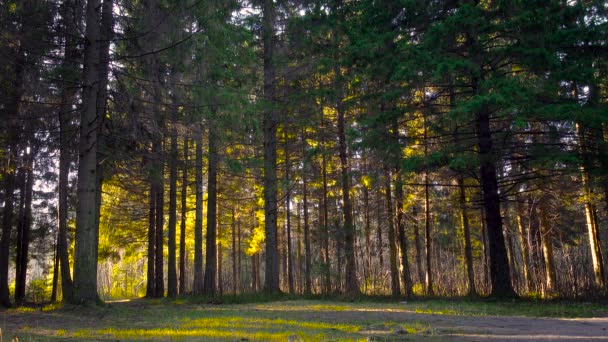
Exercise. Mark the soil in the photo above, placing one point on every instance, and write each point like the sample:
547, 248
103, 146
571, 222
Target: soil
439, 326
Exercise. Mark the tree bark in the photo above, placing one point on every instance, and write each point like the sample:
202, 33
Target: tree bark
288, 218
171, 240
87, 230
271, 284
466, 232
234, 283
500, 276
71, 14
209, 285
25, 223
547, 244
151, 241
198, 221
590, 210
159, 279
523, 235
182, 223
406, 277
392, 240
308, 257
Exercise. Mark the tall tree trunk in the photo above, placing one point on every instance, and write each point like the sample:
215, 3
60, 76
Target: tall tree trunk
352, 283
271, 284
325, 225
151, 241
198, 220
392, 240
220, 283
547, 244
25, 223
405, 264
590, 210
55, 283
428, 276
308, 257
523, 235
417, 244
7, 225
171, 243
87, 230
71, 15
209, 286
233, 231
238, 256
466, 232
379, 238
159, 279
288, 217
500, 275
182, 223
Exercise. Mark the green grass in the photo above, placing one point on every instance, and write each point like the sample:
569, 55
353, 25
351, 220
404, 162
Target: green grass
266, 318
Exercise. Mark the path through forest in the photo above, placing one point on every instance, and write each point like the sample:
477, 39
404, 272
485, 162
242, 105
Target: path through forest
287, 321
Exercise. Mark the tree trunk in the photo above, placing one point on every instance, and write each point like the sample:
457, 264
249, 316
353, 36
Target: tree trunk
308, 257
171, 243
151, 241
428, 280
466, 231
288, 218
325, 225
238, 256
55, 283
71, 14
209, 286
234, 284
87, 230
500, 276
159, 279
547, 243
352, 283
7, 225
590, 211
25, 223
405, 264
270, 153
220, 283
392, 240
182, 223
523, 235
198, 221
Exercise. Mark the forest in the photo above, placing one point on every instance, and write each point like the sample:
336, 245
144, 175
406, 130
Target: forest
345, 148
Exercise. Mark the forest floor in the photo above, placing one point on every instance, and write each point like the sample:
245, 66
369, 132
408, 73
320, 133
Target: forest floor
310, 320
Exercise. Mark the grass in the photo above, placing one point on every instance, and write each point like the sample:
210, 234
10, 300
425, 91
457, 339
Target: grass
267, 318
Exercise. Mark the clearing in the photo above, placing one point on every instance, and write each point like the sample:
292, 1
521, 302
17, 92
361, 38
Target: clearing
306, 320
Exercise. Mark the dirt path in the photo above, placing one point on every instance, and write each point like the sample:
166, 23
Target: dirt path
504, 328
375, 323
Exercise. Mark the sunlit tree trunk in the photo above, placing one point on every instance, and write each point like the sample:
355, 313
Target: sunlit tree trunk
288, 217
590, 211
198, 220
171, 243
151, 241
547, 244
468, 252
182, 224
209, 286
523, 235
392, 240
